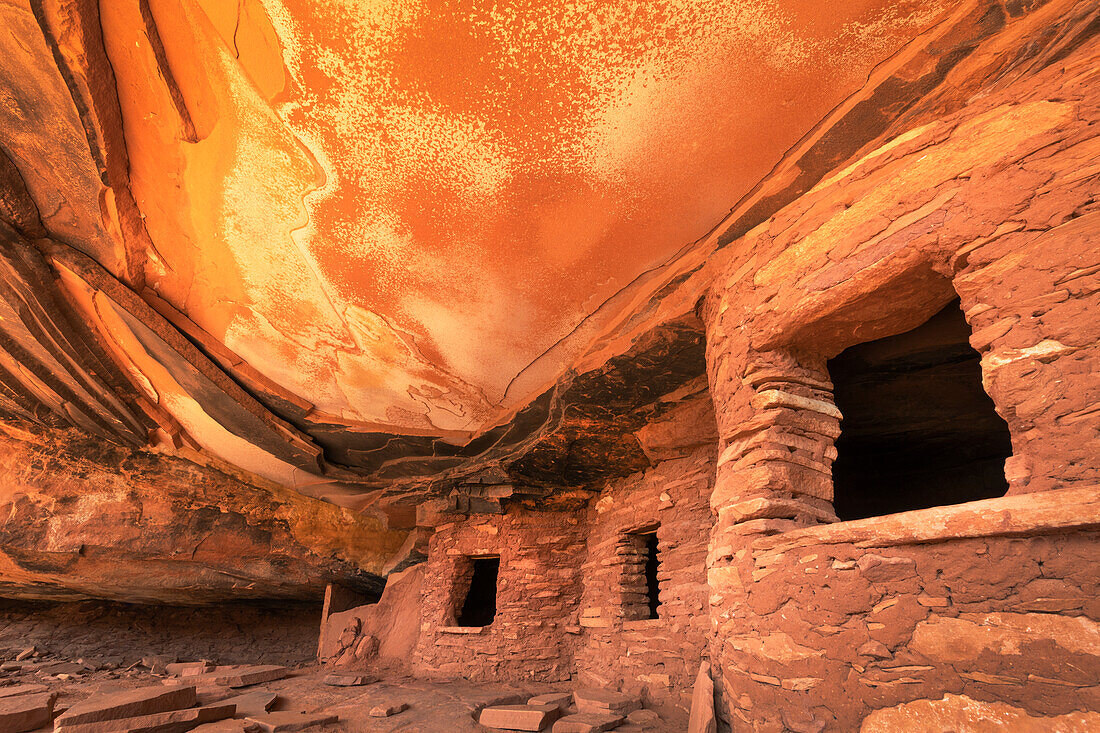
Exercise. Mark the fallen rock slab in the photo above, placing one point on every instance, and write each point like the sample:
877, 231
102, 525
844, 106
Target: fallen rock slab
349, 680
587, 723
561, 699
592, 700
284, 722
237, 675
519, 717
385, 711
26, 689
702, 718
188, 669
127, 704
256, 702
57, 668
175, 721
27, 712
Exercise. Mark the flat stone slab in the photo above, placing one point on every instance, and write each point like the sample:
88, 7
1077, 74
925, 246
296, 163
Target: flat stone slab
702, 718
26, 712
27, 689
256, 702
173, 721
187, 669
241, 675
349, 680
127, 704
593, 700
587, 723
284, 722
561, 699
519, 717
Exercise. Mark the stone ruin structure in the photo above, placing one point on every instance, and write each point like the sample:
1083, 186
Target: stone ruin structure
830, 464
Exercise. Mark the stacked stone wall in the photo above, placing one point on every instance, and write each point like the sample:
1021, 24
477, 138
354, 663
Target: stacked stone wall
835, 622
657, 657
825, 626
538, 589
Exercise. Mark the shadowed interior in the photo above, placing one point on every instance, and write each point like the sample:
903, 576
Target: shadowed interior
918, 429
652, 563
480, 605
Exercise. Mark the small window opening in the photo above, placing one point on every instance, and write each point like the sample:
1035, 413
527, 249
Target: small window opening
918, 429
641, 563
653, 588
480, 604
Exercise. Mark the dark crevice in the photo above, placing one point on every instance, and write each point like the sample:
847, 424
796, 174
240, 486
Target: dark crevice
652, 563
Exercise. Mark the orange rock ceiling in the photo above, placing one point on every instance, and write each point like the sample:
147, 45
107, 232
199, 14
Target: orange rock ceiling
392, 223
391, 208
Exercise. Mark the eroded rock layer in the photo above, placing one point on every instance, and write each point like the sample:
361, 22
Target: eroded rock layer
84, 518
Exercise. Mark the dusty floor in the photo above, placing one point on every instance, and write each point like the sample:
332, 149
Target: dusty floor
88, 648
433, 706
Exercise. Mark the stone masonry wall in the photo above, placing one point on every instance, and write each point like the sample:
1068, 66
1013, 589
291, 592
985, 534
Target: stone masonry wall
988, 193
658, 657
839, 621
538, 588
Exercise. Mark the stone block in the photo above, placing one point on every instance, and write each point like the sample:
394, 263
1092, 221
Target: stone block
520, 717
26, 712
702, 718
26, 689
172, 721
241, 675
594, 700
127, 704
561, 699
587, 723
385, 711
187, 669
349, 680
256, 702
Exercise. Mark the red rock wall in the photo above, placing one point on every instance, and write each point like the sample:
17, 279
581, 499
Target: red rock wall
658, 657
120, 634
81, 518
538, 588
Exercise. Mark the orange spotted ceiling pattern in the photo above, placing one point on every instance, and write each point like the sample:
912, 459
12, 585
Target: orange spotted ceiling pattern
391, 208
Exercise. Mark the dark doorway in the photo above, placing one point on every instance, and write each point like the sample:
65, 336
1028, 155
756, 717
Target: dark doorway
918, 429
653, 587
480, 605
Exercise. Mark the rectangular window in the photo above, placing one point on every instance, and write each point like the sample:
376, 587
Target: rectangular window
478, 605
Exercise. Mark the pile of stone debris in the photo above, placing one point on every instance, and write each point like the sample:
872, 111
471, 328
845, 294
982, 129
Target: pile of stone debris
589, 710
191, 696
